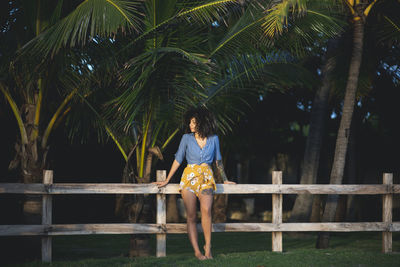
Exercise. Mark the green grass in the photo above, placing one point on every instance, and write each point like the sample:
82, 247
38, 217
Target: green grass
229, 249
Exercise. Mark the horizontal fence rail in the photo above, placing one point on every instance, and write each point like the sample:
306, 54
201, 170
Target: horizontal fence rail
105, 188
179, 228
46, 230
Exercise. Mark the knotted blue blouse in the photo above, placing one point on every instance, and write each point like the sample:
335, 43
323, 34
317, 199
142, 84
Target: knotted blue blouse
196, 155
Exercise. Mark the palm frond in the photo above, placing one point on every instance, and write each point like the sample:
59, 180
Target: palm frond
277, 18
163, 77
304, 26
207, 12
247, 77
193, 11
305, 32
245, 32
389, 29
91, 18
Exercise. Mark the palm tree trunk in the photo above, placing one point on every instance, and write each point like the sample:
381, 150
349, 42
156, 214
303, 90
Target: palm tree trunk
140, 243
220, 202
302, 208
32, 162
130, 209
141, 212
219, 208
344, 129
172, 209
31, 168
351, 172
316, 209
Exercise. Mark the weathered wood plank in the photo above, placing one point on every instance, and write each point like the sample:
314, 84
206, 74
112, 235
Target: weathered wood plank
277, 206
161, 250
334, 227
47, 217
47, 201
289, 227
112, 188
21, 230
19, 188
177, 228
395, 227
46, 249
387, 204
79, 229
302, 189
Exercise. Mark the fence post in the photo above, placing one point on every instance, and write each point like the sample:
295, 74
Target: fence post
387, 204
277, 212
161, 217
47, 217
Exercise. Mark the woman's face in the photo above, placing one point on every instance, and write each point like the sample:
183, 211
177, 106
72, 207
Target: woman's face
193, 125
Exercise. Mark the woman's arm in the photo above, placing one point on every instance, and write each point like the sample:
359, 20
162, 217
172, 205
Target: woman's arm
179, 156
220, 169
175, 165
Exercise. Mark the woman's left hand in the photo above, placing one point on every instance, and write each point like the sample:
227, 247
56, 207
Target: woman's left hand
229, 182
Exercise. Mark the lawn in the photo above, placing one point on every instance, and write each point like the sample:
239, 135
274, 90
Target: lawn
229, 249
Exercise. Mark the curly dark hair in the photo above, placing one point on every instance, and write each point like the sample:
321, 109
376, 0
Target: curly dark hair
205, 121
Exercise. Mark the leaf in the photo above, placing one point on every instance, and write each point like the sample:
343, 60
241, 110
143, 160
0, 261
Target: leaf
88, 20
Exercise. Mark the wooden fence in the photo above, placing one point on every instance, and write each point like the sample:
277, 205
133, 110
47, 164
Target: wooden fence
46, 230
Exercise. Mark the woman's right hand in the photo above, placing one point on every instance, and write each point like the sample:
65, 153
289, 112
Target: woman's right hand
161, 183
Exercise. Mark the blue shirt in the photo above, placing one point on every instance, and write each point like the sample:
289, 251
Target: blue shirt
195, 154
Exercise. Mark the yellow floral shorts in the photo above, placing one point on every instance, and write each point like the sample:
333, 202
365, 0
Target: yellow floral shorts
196, 178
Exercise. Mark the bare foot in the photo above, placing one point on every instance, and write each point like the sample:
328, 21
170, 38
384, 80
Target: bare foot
200, 256
207, 252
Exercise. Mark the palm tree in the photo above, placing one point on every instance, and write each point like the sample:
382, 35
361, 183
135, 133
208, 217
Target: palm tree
301, 210
160, 82
282, 27
32, 90
234, 70
151, 42
360, 13
31, 85
160, 71
65, 74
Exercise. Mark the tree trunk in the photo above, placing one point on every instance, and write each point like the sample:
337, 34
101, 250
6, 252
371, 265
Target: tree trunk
136, 208
220, 203
142, 210
131, 209
303, 204
351, 172
31, 161
123, 200
344, 128
340, 213
316, 209
172, 209
31, 169
140, 243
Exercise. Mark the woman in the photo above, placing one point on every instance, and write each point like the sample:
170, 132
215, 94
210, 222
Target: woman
200, 145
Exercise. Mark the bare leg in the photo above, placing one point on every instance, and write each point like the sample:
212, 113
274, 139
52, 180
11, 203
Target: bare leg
206, 200
189, 199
